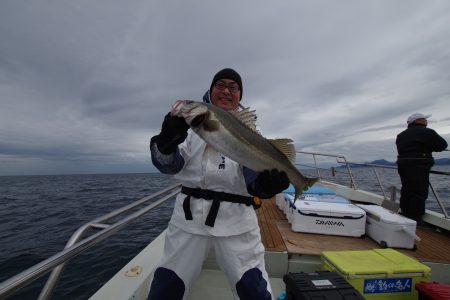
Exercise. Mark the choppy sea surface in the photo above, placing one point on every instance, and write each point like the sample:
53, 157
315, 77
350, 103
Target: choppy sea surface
39, 214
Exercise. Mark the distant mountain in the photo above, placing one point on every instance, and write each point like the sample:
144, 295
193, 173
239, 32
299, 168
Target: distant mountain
383, 162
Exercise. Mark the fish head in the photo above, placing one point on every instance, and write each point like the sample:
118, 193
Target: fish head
193, 112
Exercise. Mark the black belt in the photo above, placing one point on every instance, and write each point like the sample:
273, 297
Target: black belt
415, 155
216, 198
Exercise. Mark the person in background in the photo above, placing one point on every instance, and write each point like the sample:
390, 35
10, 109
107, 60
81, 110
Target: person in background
414, 147
215, 208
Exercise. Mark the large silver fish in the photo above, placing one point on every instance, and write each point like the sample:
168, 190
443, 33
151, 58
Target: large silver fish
234, 135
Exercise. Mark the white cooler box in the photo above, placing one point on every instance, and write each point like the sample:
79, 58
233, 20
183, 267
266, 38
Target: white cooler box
290, 208
288, 204
285, 200
328, 218
389, 229
279, 200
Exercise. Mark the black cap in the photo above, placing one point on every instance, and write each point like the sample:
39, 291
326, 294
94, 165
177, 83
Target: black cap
227, 73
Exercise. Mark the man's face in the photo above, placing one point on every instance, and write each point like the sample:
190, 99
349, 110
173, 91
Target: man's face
226, 94
421, 121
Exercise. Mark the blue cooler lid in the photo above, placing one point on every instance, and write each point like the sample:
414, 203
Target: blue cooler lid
315, 189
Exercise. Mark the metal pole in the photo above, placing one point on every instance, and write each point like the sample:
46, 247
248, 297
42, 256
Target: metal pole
439, 201
379, 182
352, 180
315, 164
393, 193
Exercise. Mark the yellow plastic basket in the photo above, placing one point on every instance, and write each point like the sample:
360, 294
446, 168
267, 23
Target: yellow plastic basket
379, 273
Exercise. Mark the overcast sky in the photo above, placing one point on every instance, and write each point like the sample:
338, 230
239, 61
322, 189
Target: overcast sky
84, 84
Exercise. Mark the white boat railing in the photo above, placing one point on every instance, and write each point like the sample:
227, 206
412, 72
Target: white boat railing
333, 170
75, 246
347, 164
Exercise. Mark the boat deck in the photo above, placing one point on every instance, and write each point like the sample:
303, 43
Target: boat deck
277, 236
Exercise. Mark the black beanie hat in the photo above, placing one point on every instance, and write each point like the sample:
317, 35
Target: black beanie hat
227, 73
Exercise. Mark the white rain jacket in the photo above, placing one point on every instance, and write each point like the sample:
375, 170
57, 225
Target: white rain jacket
206, 168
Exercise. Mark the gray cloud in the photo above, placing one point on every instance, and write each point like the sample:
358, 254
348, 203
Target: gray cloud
85, 84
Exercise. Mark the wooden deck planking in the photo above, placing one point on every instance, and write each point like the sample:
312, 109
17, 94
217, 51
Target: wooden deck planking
433, 247
263, 229
315, 244
271, 237
276, 235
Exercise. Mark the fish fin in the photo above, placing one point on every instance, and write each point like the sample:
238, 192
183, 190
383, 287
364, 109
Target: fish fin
309, 181
286, 147
246, 116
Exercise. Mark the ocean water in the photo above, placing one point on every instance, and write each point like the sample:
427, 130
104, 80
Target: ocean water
39, 214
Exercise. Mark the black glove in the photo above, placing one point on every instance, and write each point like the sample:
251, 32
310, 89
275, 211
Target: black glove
269, 183
173, 132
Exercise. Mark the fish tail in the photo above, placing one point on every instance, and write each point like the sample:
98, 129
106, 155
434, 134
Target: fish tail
305, 184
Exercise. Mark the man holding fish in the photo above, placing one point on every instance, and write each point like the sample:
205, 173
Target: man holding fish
223, 163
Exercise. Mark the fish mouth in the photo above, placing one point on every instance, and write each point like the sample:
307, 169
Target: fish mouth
176, 108
192, 111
